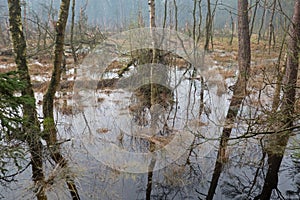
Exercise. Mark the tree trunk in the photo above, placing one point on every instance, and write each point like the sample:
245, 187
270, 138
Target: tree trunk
38, 45
150, 173
232, 29
208, 26
194, 21
72, 33
165, 13
211, 26
175, 15
25, 24
31, 124
46, 25
151, 4
280, 70
2, 35
49, 124
254, 16
200, 21
262, 22
271, 27
280, 140
141, 20
239, 92
153, 96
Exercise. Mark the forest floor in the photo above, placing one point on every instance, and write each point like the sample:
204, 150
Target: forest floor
264, 64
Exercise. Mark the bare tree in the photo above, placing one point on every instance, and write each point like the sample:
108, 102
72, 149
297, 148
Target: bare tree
48, 100
279, 140
165, 14
2, 35
271, 27
25, 23
141, 23
232, 28
212, 20
208, 26
151, 4
280, 70
254, 16
194, 20
239, 92
31, 125
50, 12
72, 33
200, 20
55, 79
153, 91
175, 14
262, 21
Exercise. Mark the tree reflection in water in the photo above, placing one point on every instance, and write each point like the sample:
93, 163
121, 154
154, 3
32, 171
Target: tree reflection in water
186, 178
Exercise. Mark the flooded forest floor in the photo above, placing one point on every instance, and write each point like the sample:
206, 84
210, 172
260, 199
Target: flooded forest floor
193, 103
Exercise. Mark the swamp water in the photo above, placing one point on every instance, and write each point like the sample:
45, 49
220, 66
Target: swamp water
120, 147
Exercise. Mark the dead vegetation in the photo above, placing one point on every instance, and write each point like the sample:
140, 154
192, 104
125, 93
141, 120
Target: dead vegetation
264, 64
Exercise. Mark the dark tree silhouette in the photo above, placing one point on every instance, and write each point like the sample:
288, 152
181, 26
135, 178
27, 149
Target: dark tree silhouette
280, 140
239, 92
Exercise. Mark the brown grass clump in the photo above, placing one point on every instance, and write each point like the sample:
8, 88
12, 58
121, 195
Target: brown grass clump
256, 83
100, 99
69, 61
102, 130
178, 62
4, 60
39, 69
114, 65
66, 110
40, 86
66, 85
107, 83
297, 106
174, 175
223, 44
5, 70
227, 73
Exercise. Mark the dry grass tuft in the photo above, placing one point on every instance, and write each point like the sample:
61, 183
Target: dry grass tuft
227, 73
40, 87
40, 69
114, 65
102, 130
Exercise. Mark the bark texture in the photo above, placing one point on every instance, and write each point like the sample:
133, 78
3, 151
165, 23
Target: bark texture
151, 4
48, 100
31, 123
58, 56
239, 92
